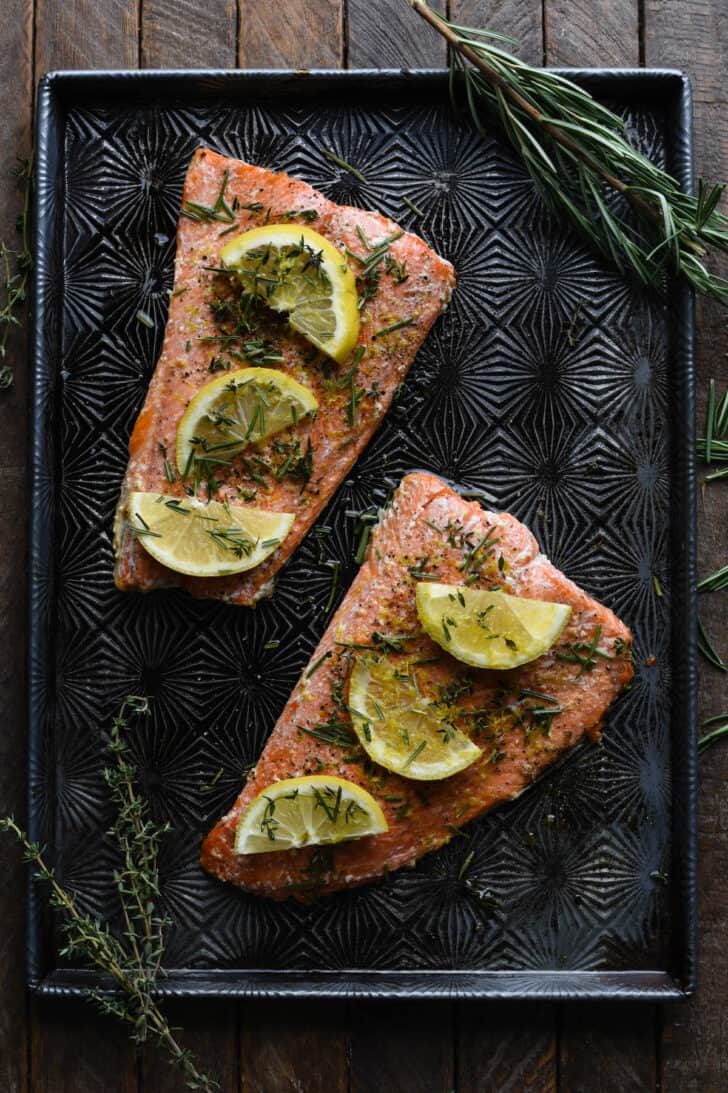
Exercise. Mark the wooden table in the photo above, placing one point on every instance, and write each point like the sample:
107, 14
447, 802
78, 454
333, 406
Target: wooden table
360, 1047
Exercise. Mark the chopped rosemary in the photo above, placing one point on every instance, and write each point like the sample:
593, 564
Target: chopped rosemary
344, 165
221, 210
317, 664
336, 732
392, 327
334, 567
411, 205
145, 319
584, 654
414, 754
171, 477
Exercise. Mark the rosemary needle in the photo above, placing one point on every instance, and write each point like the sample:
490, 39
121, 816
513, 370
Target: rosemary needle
344, 165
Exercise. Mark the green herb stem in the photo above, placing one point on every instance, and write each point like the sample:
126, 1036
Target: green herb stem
572, 147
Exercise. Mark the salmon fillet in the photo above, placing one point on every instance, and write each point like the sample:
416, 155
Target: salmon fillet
429, 527
412, 287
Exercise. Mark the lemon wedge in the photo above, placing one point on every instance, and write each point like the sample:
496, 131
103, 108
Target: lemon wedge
308, 811
489, 629
237, 409
201, 540
296, 271
399, 727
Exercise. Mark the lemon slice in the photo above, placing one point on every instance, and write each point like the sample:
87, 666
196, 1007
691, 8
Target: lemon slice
237, 409
296, 271
399, 727
308, 811
489, 629
205, 540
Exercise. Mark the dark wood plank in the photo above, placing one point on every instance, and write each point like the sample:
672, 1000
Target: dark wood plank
403, 1047
694, 1053
71, 1047
188, 34
520, 19
86, 34
294, 34
69, 1059
291, 1046
16, 92
209, 1030
508, 1048
606, 1048
384, 34
592, 33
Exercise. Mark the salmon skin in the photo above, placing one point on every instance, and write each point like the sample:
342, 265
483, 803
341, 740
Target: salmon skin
402, 294
430, 528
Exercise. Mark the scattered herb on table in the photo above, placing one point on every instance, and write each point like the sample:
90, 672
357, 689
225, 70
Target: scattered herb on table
133, 960
574, 148
17, 266
721, 729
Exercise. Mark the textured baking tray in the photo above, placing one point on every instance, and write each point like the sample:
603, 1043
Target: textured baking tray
560, 389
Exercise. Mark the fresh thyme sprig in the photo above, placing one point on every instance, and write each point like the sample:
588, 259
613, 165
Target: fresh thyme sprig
17, 266
576, 151
132, 961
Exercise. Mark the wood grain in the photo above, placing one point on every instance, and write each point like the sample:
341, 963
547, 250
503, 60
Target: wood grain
521, 19
385, 34
208, 1029
16, 95
86, 34
189, 34
75, 1050
606, 1047
511, 1049
592, 33
295, 34
402, 1047
694, 1053
294, 1047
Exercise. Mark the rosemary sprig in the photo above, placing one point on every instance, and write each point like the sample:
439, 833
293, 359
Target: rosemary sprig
576, 150
716, 582
708, 650
713, 447
721, 729
132, 961
17, 266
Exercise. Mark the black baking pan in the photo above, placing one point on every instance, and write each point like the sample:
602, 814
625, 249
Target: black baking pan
563, 391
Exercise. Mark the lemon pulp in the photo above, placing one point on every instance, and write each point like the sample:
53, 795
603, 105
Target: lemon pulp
296, 271
308, 811
240, 408
205, 540
400, 726
489, 629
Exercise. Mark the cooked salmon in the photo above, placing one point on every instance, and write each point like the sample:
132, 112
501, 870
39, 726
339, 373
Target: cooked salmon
430, 530
403, 287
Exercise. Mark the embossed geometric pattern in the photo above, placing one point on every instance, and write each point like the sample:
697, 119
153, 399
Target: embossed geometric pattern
546, 385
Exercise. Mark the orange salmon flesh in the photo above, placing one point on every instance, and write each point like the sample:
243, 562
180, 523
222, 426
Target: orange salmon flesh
429, 526
412, 287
